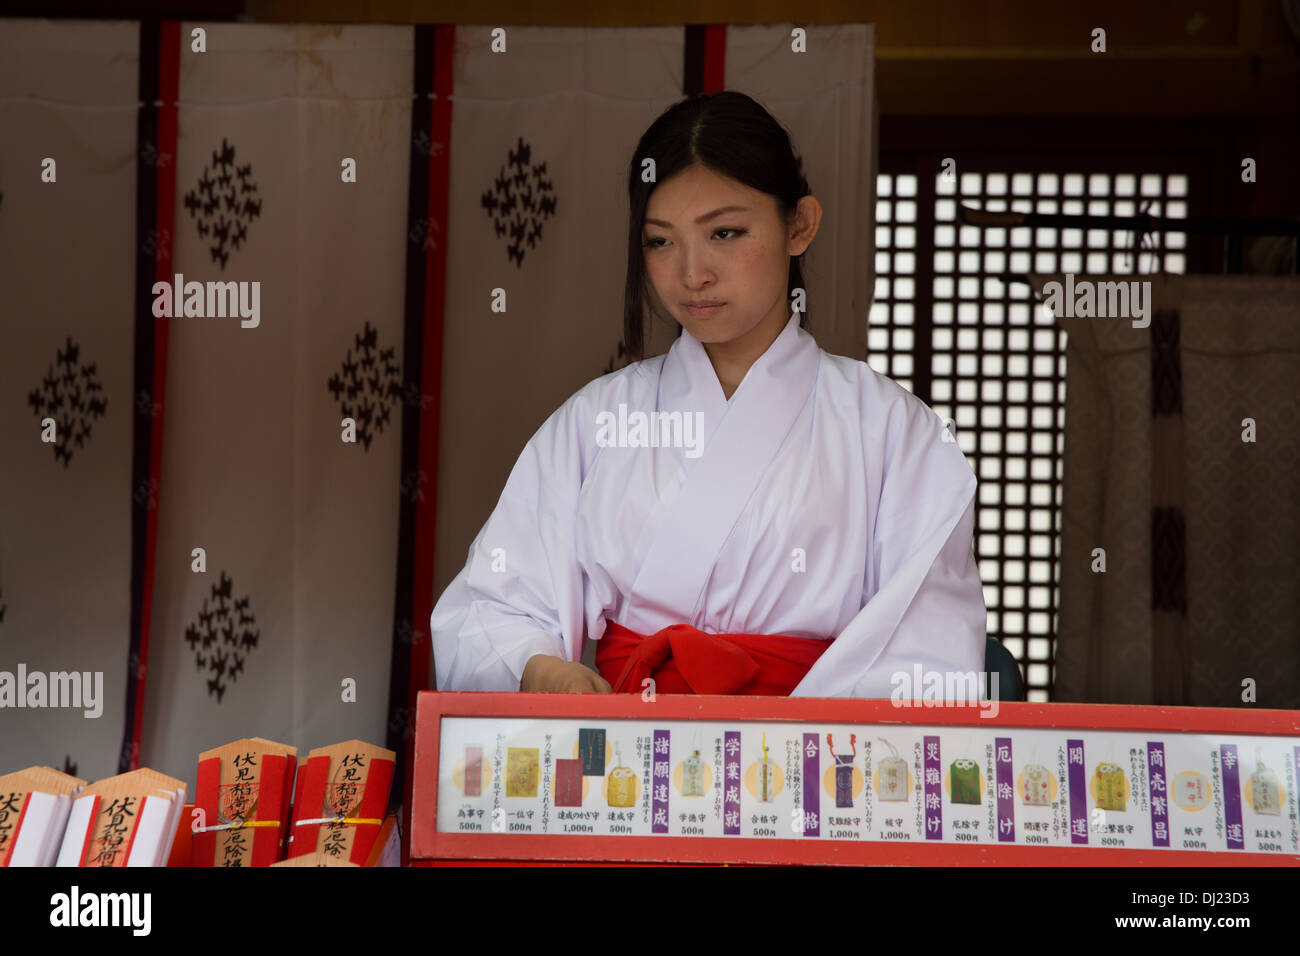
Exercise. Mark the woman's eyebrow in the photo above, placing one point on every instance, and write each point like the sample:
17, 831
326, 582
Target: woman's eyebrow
703, 219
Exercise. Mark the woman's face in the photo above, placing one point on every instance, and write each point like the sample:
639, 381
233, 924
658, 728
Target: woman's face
739, 257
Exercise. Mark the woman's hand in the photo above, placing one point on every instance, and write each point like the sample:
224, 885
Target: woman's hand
546, 674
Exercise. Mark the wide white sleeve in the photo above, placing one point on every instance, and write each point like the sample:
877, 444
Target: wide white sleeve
924, 602
521, 591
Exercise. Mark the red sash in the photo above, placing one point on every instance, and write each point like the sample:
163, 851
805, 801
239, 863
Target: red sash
683, 660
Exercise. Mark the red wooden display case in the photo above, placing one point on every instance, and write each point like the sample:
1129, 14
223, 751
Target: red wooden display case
429, 847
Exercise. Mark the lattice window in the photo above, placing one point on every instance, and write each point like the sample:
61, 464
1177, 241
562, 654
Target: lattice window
989, 358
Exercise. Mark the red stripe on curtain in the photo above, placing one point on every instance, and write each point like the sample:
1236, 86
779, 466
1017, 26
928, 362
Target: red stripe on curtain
435, 288
169, 54
715, 58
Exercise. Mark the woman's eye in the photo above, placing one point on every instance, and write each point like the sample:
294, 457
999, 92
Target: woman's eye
650, 243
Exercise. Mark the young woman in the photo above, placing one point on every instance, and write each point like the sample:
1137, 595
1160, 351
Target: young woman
745, 514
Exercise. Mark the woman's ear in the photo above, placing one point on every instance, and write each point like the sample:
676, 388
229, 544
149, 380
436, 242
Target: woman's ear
807, 219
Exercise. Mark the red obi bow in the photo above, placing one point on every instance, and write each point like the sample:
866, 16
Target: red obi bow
683, 660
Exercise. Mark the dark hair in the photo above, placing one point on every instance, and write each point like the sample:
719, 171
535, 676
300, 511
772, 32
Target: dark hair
731, 134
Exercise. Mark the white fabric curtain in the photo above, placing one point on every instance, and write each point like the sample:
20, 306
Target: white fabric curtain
1182, 453
299, 528
68, 94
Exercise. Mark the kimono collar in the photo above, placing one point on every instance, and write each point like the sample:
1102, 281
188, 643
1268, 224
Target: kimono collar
741, 438
689, 382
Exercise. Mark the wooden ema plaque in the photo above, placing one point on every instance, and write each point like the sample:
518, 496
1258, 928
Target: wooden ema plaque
698, 779
243, 791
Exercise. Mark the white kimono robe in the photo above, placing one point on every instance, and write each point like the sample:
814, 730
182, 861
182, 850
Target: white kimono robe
826, 503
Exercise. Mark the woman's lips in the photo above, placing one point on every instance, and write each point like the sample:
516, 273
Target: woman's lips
702, 311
